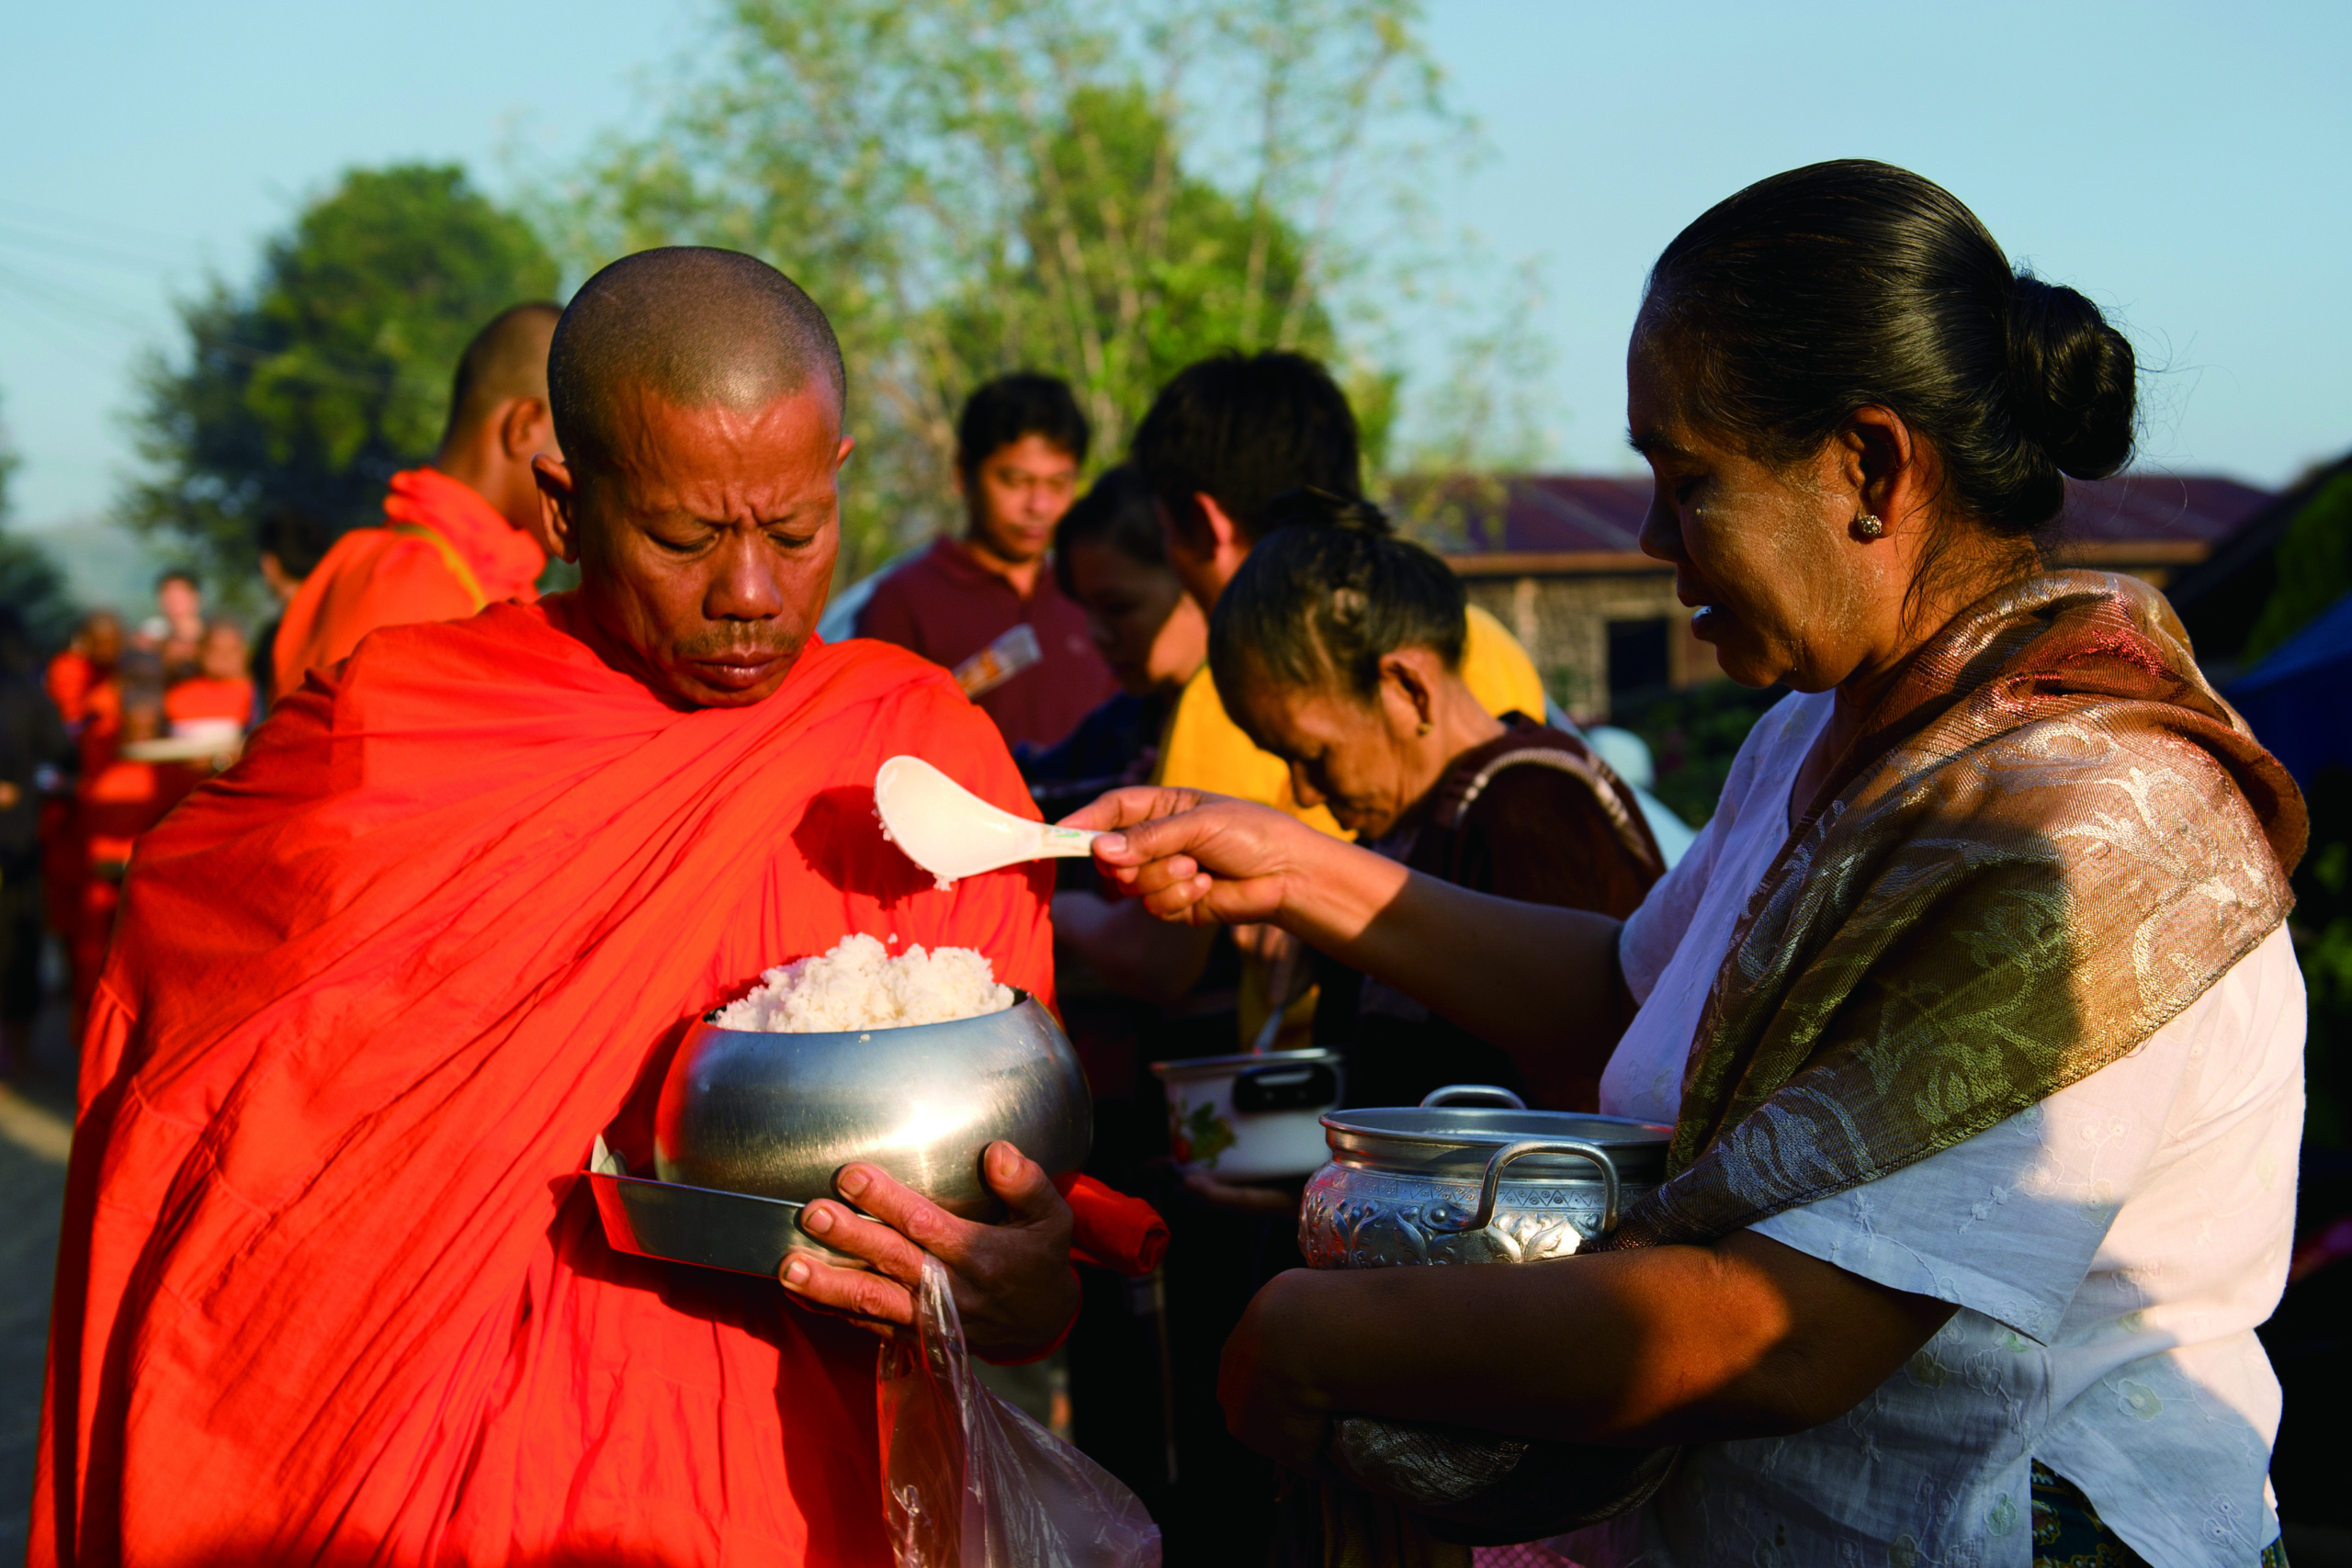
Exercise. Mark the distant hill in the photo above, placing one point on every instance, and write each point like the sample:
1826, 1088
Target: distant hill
104, 564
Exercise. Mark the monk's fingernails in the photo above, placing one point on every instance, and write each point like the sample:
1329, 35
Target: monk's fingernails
796, 1273
853, 1181
819, 1221
1112, 843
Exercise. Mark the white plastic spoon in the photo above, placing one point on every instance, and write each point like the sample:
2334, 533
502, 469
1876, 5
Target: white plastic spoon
953, 833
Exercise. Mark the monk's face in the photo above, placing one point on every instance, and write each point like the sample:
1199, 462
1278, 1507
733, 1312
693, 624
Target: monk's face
705, 540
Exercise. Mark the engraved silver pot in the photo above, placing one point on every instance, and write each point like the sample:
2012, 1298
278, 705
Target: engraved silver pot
1451, 1182
776, 1116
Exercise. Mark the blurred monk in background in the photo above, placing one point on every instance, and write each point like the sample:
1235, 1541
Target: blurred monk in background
331, 1289
221, 690
458, 535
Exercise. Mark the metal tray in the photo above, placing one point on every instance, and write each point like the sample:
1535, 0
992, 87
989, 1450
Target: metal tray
702, 1226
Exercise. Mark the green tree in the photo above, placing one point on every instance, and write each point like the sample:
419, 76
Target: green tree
331, 372
28, 579
2314, 568
973, 185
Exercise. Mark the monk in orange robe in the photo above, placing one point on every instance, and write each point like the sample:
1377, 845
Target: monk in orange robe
220, 689
457, 536
331, 1289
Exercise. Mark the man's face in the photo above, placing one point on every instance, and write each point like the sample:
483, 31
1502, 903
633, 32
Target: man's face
178, 602
1016, 495
705, 540
224, 653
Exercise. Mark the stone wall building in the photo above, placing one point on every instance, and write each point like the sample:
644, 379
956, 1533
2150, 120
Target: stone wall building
1557, 559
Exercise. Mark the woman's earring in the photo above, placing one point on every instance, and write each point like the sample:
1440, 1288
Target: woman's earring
1867, 527
1425, 727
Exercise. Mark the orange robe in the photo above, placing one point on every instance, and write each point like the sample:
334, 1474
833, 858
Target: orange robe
330, 1290
442, 555
70, 678
205, 696
116, 800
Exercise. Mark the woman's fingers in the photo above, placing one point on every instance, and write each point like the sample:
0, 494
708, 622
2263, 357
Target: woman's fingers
1137, 803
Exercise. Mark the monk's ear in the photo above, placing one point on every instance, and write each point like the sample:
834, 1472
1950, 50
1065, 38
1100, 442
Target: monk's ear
559, 506
849, 444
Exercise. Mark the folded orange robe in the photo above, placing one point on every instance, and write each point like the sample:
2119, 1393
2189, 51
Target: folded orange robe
443, 554
330, 1290
205, 696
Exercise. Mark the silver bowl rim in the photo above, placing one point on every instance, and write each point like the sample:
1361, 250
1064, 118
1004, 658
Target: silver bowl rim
1464, 1140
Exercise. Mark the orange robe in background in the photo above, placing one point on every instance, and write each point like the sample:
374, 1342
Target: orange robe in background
205, 696
70, 678
330, 1290
443, 553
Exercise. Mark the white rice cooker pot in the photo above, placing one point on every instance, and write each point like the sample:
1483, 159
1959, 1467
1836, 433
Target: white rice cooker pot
1256, 1117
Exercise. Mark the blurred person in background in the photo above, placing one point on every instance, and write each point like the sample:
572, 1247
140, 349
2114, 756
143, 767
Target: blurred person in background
1223, 439
175, 633
1111, 559
87, 660
33, 748
220, 690
458, 535
291, 544
1337, 648
986, 606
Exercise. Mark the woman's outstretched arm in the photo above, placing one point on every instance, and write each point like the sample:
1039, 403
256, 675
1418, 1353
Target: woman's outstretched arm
1526, 976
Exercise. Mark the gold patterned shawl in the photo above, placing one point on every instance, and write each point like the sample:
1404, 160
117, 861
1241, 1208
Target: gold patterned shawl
2050, 838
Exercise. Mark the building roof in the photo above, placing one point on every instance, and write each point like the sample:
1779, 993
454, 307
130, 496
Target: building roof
1529, 522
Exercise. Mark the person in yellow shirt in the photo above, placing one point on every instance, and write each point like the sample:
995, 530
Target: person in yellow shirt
1225, 442
1222, 442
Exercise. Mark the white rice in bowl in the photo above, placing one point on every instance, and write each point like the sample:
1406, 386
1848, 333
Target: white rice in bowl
859, 985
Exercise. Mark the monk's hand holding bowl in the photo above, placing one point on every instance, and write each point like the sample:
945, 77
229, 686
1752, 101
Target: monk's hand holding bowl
1014, 1289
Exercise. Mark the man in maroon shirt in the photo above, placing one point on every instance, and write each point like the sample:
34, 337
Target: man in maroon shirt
986, 606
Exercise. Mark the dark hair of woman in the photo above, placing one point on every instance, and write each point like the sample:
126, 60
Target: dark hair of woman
1855, 284
1117, 510
1318, 606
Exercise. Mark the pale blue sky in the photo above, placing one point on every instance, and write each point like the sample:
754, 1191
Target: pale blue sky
2189, 167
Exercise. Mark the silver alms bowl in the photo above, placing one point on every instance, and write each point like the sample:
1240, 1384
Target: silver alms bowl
776, 1116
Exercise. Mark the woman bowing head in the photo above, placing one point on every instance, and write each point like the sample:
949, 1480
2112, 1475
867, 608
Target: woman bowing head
1972, 1007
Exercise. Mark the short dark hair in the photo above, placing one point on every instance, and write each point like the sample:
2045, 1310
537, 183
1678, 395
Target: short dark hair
1320, 607
1024, 403
1849, 284
1243, 429
1115, 511
178, 574
297, 539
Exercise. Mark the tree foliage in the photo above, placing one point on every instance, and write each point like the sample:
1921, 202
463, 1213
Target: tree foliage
28, 579
970, 186
331, 372
2314, 568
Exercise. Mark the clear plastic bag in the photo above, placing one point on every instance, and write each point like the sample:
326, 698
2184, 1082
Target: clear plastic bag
969, 1482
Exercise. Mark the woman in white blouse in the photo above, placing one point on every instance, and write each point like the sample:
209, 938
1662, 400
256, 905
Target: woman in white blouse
1972, 1007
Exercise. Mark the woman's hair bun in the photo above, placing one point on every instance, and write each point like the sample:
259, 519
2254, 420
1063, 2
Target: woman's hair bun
2071, 379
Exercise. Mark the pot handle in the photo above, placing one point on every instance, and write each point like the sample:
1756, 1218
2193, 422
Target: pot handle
1510, 1152
1472, 1094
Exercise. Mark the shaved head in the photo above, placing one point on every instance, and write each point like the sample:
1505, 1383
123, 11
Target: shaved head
697, 327
507, 360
